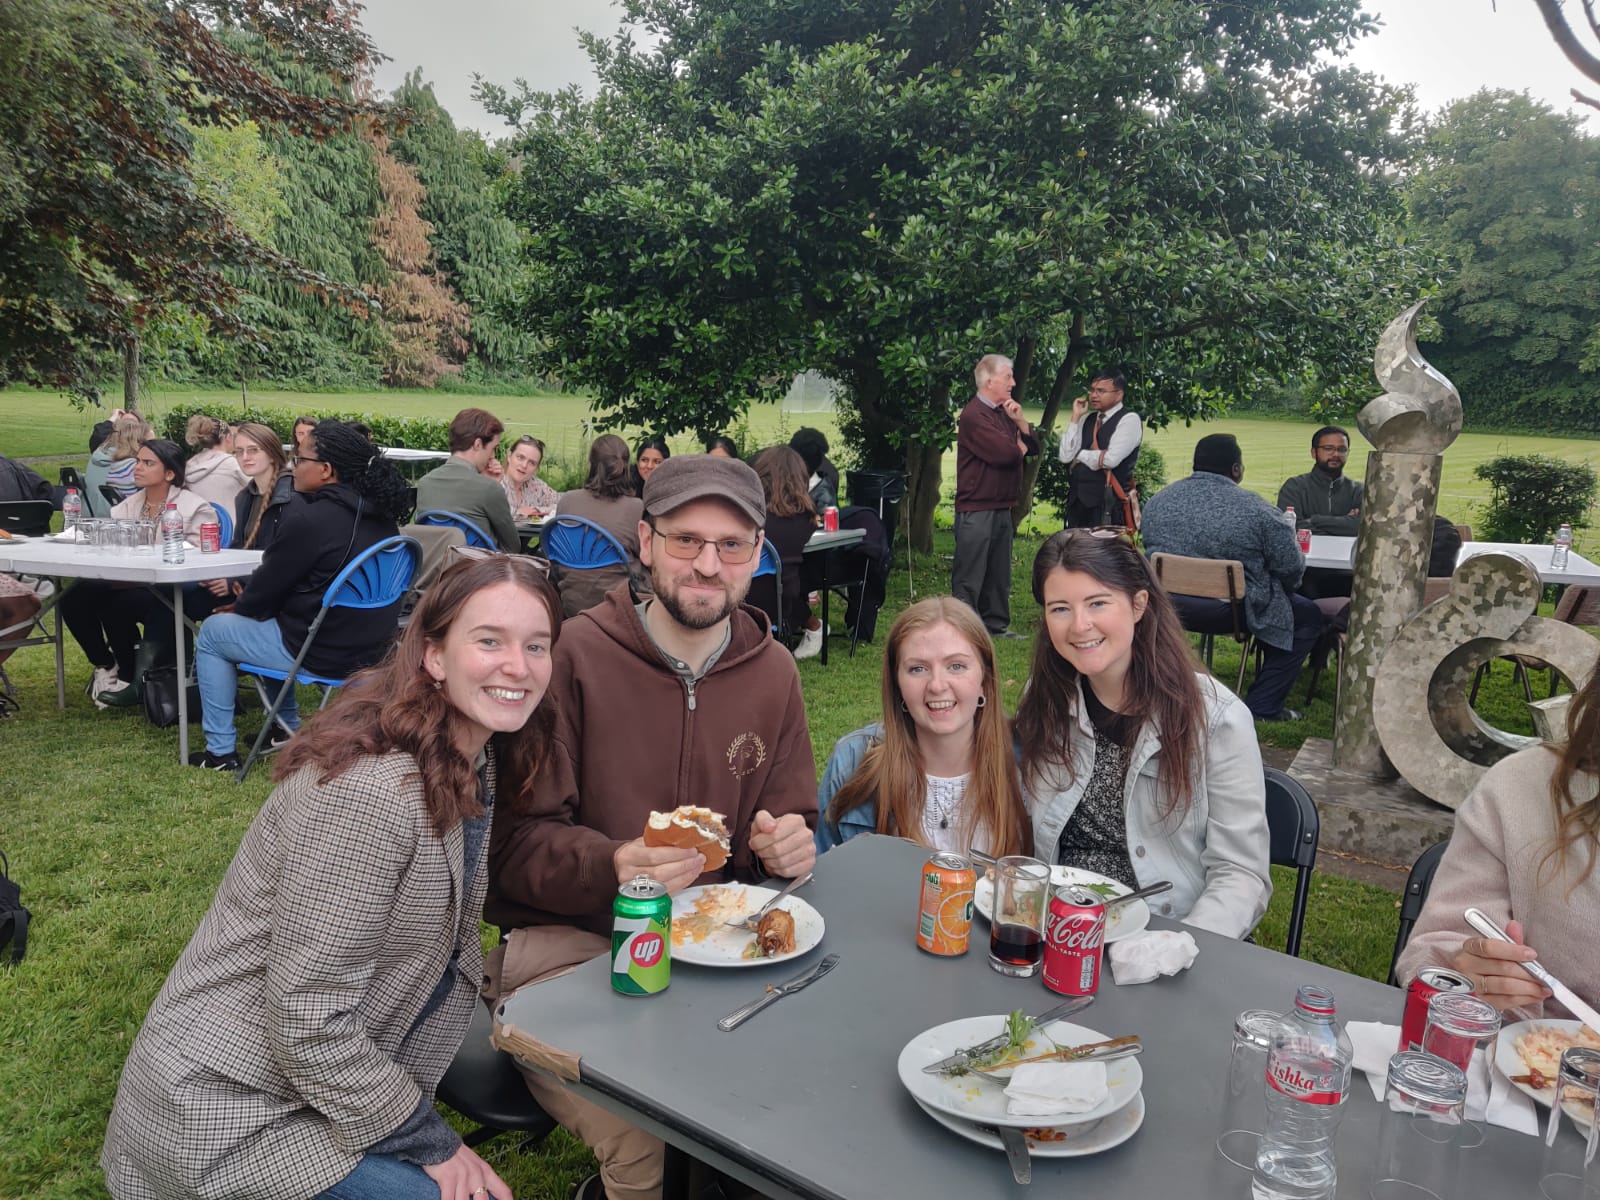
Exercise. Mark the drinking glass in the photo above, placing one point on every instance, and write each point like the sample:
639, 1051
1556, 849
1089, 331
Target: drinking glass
89, 533
1458, 1024
1244, 1109
145, 537
1571, 1167
127, 535
1419, 1137
1016, 922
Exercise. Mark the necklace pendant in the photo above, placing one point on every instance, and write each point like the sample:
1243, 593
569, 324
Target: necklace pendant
944, 822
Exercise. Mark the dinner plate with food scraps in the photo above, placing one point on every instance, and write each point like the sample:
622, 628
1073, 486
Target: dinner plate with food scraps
701, 935
1124, 920
1055, 1141
984, 1101
1529, 1053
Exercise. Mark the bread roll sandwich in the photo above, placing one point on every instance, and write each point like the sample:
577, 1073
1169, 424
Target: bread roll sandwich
690, 828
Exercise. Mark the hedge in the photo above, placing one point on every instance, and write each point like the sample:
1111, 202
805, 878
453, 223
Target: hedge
414, 433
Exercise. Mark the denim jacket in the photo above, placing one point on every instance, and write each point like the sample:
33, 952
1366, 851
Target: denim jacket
1216, 853
847, 754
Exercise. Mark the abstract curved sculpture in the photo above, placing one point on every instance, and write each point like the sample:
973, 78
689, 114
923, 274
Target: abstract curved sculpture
1419, 705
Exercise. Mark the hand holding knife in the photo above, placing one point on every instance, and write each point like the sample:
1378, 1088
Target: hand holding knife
1487, 926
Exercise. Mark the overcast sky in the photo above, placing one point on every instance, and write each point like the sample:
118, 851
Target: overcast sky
1447, 48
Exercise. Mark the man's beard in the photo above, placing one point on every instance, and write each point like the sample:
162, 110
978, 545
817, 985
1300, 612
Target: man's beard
699, 618
1329, 472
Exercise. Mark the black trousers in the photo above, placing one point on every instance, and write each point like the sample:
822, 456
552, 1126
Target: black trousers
981, 574
1279, 668
105, 619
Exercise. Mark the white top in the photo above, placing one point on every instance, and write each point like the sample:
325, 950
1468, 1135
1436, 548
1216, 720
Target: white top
1124, 441
942, 819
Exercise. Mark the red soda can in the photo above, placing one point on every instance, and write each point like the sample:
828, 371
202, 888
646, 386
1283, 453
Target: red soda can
210, 537
1430, 981
1074, 931
830, 519
944, 920
1303, 536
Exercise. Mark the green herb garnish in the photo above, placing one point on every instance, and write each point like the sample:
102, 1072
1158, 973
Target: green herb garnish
1018, 1026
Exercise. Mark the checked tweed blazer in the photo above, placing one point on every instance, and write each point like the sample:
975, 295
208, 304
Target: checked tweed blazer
281, 1046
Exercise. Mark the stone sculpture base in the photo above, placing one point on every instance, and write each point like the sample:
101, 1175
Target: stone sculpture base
1384, 820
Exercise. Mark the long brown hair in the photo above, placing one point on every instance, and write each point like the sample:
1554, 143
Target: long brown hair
783, 478
1161, 686
266, 440
394, 706
891, 774
1577, 816
608, 468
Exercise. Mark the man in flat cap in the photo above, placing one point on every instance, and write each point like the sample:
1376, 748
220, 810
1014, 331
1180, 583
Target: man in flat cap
680, 699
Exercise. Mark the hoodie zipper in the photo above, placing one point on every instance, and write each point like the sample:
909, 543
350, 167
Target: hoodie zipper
688, 686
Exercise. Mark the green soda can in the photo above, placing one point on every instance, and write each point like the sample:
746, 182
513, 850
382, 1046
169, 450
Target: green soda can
641, 938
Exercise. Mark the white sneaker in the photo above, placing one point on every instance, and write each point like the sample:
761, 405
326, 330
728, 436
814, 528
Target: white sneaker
105, 679
810, 644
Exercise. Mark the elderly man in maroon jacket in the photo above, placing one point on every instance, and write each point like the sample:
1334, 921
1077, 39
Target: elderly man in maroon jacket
992, 440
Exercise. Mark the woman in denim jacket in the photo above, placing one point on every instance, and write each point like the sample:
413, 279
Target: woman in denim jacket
1137, 764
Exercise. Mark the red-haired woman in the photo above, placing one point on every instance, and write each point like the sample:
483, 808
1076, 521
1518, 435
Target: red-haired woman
1135, 762
297, 1043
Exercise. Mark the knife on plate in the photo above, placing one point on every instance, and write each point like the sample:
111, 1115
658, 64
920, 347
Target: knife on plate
773, 994
1016, 1144
1485, 924
961, 1058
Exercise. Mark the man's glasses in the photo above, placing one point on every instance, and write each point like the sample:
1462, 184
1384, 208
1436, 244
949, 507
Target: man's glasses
1333, 449
688, 546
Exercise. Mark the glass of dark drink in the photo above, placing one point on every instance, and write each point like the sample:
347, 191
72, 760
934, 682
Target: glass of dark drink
1016, 918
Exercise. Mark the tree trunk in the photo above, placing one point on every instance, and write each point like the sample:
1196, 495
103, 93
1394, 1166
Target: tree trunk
130, 375
1077, 351
1022, 367
924, 476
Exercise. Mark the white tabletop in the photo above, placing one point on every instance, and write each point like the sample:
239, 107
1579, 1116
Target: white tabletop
1334, 553
38, 556
406, 454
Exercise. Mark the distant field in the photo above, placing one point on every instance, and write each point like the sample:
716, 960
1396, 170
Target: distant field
37, 424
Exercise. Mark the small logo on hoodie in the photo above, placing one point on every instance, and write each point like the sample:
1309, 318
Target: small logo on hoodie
745, 753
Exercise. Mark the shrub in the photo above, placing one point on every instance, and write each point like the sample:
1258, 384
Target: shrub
415, 433
1530, 495
1054, 482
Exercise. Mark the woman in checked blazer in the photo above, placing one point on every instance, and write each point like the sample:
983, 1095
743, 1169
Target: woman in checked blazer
294, 1050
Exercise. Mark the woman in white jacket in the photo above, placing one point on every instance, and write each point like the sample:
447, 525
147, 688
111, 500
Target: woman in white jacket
213, 472
1135, 763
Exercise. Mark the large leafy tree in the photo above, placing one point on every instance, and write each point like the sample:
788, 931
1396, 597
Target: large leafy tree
884, 191
1509, 190
103, 228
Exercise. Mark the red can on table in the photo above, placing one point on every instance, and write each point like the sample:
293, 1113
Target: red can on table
1303, 536
210, 537
944, 919
1074, 931
830, 519
1430, 981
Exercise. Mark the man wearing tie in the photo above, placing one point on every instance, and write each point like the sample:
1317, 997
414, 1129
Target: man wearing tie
1101, 447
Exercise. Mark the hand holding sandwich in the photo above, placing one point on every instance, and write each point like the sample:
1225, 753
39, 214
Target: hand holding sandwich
674, 867
784, 844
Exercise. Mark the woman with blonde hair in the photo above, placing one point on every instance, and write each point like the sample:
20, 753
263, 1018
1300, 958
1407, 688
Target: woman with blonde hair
1136, 763
111, 463
212, 471
259, 504
1523, 850
939, 768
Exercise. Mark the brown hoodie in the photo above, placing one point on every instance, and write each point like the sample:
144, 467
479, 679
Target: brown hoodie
632, 736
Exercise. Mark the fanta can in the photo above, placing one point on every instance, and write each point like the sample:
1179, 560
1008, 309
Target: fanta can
641, 938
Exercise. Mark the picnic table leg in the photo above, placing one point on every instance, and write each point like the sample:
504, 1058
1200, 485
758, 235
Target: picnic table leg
677, 1168
827, 572
61, 661
183, 675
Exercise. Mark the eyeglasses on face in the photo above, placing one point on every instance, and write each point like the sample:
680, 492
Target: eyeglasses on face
296, 459
688, 546
1336, 448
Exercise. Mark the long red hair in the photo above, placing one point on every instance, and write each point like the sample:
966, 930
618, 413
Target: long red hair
395, 706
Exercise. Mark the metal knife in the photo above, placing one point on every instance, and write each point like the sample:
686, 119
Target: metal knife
740, 1015
965, 1055
1485, 925
1016, 1153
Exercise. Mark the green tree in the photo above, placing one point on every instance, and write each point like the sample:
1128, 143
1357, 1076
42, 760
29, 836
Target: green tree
886, 191
1509, 191
103, 228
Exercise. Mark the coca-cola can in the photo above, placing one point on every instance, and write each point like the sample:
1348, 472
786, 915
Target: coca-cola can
1074, 931
1430, 981
830, 519
210, 537
1303, 537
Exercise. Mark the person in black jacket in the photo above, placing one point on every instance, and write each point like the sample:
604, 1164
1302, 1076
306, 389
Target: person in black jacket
21, 482
351, 499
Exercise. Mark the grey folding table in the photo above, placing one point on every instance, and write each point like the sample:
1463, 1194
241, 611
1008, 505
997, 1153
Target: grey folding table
804, 1100
65, 560
826, 542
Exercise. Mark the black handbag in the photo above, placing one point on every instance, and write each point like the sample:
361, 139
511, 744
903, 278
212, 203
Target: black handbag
160, 688
13, 917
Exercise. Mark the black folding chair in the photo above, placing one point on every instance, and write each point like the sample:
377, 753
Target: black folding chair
28, 518
1417, 885
1294, 828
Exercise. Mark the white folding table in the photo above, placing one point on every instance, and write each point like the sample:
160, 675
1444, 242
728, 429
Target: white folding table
65, 560
1335, 553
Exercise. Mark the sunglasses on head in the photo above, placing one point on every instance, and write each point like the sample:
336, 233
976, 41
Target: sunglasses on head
475, 553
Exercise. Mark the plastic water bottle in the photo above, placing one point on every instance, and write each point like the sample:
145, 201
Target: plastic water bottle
1560, 548
1308, 1081
1289, 518
172, 544
71, 509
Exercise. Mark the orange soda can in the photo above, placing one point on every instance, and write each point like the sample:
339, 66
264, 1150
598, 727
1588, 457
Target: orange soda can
944, 923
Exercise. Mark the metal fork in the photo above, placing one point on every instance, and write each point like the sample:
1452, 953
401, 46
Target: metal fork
754, 918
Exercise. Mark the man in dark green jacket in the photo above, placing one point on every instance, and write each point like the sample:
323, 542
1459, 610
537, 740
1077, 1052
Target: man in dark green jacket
1324, 501
458, 484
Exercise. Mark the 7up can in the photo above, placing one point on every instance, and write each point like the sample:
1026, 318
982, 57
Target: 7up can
641, 938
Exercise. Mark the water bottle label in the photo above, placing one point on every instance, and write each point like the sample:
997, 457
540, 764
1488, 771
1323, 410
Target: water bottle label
1295, 1083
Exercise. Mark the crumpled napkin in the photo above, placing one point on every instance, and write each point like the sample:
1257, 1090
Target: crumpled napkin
1491, 1096
1047, 1089
1143, 956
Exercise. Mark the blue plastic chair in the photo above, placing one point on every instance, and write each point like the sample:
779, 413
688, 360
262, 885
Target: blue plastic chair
224, 525
377, 578
578, 544
772, 565
469, 529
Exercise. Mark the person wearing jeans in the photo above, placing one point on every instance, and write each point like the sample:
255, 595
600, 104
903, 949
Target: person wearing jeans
226, 640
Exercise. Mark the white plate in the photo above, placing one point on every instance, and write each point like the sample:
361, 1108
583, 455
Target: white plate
1122, 921
1509, 1063
1080, 1140
974, 1100
17, 537
724, 947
